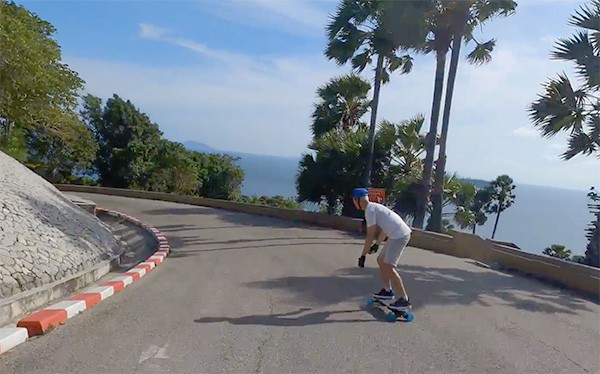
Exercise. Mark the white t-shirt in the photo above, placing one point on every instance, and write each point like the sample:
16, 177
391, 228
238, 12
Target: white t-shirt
390, 222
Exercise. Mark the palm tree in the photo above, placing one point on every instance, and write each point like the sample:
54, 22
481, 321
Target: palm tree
343, 101
407, 164
563, 108
501, 197
335, 165
558, 251
439, 24
482, 198
363, 29
464, 16
592, 253
409, 147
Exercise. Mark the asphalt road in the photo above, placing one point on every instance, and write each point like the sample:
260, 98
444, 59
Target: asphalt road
252, 294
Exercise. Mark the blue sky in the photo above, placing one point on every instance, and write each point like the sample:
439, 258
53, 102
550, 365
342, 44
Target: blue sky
250, 68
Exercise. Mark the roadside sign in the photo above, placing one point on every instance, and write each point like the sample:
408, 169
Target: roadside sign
377, 195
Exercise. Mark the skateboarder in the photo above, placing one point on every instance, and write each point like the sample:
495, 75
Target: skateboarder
398, 233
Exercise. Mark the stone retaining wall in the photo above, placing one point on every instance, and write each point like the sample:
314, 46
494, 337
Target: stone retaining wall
44, 237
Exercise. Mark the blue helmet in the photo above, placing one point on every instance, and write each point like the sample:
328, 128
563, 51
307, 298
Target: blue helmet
359, 192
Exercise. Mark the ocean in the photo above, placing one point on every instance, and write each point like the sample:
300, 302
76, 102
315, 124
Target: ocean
539, 217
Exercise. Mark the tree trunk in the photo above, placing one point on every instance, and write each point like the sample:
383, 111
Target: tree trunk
435, 221
374, 104
474, 227
496, 223
423, 196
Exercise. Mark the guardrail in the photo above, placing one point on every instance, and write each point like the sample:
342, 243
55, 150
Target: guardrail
568, 274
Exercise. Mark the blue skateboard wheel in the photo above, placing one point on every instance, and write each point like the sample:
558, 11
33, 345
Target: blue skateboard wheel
370, 302
409, 316
391, 317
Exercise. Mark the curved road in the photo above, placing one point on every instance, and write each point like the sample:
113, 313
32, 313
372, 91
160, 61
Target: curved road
249, 294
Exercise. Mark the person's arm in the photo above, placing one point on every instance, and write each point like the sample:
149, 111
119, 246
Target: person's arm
381, 238
371, 233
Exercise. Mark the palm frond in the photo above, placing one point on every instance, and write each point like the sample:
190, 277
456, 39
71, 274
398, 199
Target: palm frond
587, 18
580, 50
482, 53
580, 143
559, 109
361, 60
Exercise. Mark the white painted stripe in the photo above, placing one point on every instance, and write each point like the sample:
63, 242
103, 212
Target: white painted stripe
73, 307
104, 291
141, 271
11, 337
126, 279
151, 264
159, 259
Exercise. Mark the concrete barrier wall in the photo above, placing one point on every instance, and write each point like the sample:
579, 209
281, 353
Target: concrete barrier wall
440, 243
576, 276
570, 274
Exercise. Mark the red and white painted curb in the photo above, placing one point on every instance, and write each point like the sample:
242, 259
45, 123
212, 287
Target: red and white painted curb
52, 316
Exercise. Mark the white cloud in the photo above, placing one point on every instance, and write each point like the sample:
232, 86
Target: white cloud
292, 16
525, 132
151, 31
156, 33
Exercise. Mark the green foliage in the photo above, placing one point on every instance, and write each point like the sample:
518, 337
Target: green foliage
558, 251
592, 253
342, 102
57, 159
14, 145
562, 108
173, 170
272, 201
337, 164
36, 89
501, 197
133, 154
363, 29
408, 149
482, 198
218, 175
128, 142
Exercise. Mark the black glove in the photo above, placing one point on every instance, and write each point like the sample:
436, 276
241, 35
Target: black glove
374, 248
361, 261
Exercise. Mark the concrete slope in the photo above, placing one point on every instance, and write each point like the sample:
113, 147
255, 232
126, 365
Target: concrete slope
252, 294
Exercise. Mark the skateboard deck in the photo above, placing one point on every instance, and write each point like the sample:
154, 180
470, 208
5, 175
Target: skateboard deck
391, 315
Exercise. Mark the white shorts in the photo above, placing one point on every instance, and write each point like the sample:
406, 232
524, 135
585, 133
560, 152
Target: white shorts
393, 249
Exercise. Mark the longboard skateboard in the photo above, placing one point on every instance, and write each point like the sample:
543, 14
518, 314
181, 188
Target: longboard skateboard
391, 315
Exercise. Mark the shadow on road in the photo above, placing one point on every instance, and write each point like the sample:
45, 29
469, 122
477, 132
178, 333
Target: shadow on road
428, 286
180, 228
292, 318
236, 218
185, 241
